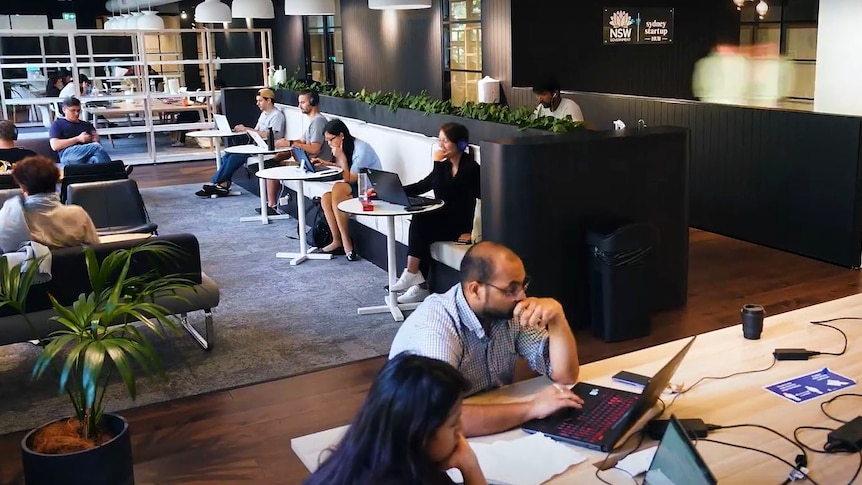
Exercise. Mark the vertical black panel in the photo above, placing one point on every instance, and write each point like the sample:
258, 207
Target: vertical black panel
392, 50
288, 43
497, 44
564, 37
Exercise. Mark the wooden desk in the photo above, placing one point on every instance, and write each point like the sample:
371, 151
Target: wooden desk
737, 400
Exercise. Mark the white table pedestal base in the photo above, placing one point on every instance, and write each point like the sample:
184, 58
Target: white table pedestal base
297, 258
395, 309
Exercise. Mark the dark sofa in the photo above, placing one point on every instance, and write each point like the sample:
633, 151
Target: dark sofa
69, 279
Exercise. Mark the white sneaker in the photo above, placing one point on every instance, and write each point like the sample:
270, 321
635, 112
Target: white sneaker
407, 280
414, 294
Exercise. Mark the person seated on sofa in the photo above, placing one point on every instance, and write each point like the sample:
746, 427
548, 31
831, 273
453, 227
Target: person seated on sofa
9, 153
482, 324
39, 215
351, 155
408, 430
270, 117
454, 179
311, 142
75, 140
552, 104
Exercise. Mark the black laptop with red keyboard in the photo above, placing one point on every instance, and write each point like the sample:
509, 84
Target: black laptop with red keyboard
607, 413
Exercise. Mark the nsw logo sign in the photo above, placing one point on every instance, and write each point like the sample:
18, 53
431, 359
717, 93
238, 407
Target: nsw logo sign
637, 25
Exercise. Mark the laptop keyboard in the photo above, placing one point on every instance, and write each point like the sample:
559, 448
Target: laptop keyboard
420, 201
598, 416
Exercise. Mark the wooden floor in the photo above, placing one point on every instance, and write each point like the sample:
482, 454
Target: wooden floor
243, 435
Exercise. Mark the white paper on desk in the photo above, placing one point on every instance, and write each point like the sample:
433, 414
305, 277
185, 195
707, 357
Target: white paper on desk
638, 462
530, 460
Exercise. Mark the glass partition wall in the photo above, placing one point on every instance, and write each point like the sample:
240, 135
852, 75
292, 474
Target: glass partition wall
143, 92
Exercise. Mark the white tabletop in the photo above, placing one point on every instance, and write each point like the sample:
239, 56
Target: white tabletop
381, 208
253, 150
211, 133
295, 173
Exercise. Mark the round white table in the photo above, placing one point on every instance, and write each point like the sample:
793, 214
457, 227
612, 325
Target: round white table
390, 212
259, 152
216, 136
300, 175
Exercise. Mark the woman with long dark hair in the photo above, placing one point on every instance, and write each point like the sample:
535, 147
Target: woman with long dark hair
454, 178
351, 155
408, 431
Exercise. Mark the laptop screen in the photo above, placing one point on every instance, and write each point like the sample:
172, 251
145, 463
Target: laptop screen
677, 461
302, 157
222, 123
258, 140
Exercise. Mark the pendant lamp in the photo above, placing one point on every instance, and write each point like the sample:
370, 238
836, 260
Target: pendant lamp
398, 4
212, 11
150, 21
252, 9
309, 7
132, 23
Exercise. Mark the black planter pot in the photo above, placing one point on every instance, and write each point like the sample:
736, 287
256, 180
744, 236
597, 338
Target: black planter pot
109, 464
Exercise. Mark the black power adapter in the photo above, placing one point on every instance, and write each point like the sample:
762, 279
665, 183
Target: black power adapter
847, 438
794, 354
694, 428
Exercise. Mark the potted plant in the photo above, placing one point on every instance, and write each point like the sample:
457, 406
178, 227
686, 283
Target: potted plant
95, 345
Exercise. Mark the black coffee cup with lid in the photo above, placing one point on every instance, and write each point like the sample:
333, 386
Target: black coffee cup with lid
752, 321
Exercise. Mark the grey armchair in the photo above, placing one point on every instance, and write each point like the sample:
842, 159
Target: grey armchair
115, 206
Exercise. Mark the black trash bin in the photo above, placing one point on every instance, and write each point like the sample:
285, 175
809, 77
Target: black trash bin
621, 274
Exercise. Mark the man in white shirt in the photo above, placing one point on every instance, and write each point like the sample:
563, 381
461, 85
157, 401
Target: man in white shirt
552, 104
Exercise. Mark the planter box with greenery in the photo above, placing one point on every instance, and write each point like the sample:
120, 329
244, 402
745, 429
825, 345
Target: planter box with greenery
96, 345
422, 114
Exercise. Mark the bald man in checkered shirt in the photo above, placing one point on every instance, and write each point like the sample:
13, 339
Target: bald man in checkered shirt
482, 324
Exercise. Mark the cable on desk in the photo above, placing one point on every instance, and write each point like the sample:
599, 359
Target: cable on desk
608, 455
828, 402
811, 428
823, 323
679, 393
734, 445
858, 469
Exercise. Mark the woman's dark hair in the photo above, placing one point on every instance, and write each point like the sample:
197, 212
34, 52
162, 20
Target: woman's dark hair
410, 399
457, 134
337, 127
36, 175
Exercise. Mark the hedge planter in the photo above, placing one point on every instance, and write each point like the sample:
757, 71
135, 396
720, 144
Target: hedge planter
107, 464
412, 120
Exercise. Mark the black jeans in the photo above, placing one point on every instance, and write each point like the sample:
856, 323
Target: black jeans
426, 229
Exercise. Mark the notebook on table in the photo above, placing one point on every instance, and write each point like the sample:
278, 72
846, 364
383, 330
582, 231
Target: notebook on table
389, 189
677, 461
607, 413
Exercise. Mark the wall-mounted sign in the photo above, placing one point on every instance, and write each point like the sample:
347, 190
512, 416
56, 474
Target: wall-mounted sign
629, 25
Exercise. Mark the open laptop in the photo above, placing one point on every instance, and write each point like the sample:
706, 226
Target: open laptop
305, 162
389, 189
258, 140
676, 461
607, 413
222, 124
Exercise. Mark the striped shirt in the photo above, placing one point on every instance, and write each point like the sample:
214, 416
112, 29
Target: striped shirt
444, 327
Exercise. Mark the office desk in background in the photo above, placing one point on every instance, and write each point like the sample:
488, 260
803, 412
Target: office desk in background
736, 400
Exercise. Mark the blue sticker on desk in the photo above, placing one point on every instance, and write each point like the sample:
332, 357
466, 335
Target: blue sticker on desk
811, 386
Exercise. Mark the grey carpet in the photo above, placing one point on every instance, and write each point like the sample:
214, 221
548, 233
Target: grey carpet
274, 320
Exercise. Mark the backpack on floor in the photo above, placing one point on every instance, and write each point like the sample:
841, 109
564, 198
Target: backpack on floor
318, 234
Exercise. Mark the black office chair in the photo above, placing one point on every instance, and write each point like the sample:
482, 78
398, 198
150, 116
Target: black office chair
91, 172
115, 206
7, 182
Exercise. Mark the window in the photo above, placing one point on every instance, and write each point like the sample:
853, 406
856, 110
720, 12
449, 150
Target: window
462, 50
324, 56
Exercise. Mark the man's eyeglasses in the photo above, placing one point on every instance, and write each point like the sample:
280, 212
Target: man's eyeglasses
514, 289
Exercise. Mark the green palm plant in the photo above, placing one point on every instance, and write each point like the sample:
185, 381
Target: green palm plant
97, 338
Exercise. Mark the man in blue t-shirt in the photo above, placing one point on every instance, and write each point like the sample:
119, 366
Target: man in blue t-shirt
75, 140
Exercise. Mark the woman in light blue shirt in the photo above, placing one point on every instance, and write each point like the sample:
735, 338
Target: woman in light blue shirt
351, 155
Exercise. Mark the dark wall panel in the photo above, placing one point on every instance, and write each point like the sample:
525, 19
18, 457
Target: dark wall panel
288, 44
392, 50
564, 38
790, 180
497, 43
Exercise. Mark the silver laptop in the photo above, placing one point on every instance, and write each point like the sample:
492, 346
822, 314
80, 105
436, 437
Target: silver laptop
258, 140
222, 123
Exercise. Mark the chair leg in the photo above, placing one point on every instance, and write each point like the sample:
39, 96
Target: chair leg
206, 342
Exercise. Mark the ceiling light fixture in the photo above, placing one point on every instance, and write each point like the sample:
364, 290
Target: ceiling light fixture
309, 7
398, 4
252, 9
761, 7
212, 11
